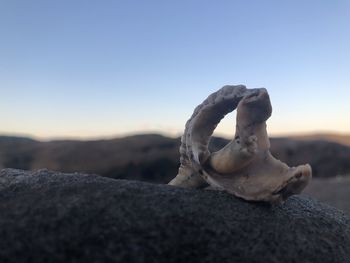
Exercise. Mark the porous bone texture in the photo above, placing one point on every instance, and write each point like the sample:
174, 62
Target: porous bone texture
245, 166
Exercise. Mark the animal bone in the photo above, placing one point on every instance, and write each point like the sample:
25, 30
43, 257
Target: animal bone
245, 166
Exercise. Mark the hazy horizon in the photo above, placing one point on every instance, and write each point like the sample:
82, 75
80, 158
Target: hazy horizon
119, 136
110, 68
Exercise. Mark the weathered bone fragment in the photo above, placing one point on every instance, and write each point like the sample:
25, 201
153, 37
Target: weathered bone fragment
245, 166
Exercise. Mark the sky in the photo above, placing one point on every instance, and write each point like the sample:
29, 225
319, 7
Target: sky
100, 68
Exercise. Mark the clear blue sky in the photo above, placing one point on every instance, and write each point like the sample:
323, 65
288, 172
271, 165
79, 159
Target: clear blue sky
72, 68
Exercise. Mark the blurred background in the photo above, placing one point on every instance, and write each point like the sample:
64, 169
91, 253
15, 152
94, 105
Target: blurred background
106, 87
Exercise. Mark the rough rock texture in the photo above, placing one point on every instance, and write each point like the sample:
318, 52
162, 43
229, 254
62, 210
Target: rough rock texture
54, 217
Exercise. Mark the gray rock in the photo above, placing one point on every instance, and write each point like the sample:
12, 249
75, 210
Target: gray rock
53, 217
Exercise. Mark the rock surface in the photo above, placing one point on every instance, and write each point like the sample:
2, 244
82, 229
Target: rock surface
53, 217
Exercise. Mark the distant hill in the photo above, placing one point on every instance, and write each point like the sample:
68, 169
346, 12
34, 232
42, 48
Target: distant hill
148, 157
326, 158
334, 191
331, 137
155, 158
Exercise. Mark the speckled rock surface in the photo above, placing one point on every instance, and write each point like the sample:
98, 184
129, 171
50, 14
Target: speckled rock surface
52, 217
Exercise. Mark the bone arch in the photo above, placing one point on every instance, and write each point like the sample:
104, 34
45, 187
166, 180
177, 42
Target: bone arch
200, 127
205, 118
199, 167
